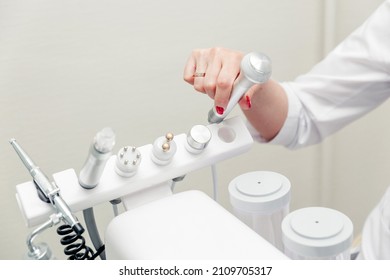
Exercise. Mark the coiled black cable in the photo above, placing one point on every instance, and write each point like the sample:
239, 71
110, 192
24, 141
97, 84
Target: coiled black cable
76, 249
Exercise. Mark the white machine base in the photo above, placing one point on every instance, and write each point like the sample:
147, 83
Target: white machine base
187, 225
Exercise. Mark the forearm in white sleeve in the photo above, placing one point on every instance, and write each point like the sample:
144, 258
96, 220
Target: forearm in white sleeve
351, 81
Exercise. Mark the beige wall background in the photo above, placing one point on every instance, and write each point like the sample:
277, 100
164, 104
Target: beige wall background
70, 68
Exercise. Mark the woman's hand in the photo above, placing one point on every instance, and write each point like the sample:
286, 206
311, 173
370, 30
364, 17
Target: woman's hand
214, 71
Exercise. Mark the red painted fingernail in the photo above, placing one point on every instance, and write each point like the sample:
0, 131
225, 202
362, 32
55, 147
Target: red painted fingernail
248, 101
219, 110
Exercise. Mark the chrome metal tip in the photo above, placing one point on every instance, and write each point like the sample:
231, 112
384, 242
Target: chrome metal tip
213, 118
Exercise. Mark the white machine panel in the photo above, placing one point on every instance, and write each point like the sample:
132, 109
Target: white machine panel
228, 139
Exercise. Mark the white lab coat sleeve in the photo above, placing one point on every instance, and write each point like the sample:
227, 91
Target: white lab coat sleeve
375, 241
352, 80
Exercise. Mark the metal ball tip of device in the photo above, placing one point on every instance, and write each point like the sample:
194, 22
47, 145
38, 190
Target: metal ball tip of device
164, 148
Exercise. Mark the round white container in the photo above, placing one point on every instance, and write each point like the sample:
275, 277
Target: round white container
261, 200
317, 233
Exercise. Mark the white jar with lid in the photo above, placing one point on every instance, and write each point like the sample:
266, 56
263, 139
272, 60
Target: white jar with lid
261, 200
317, 233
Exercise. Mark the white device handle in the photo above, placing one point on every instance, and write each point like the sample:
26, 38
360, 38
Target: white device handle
255, 69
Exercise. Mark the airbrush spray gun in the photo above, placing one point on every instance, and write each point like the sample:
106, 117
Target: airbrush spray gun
48, 189
255, 69
50, 193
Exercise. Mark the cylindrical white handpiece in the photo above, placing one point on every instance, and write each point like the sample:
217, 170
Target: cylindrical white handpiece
99, 153
255, 69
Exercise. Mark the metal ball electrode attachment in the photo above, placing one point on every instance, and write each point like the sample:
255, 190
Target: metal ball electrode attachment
127, 161
164, 148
